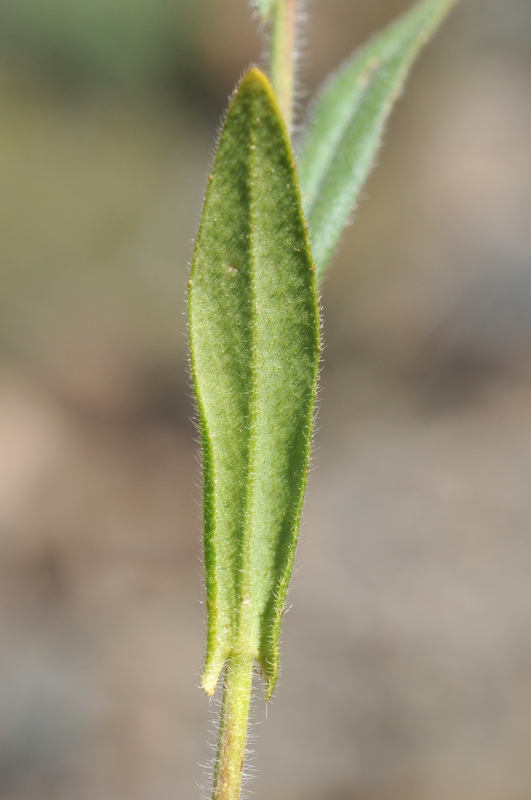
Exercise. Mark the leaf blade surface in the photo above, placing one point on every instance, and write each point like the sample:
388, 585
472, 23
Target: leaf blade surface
348, 121
254, 337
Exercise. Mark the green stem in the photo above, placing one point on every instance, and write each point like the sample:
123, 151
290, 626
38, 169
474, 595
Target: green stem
282, 59
233, 728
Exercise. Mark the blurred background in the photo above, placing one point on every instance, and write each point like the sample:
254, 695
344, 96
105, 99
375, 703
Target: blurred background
407, 653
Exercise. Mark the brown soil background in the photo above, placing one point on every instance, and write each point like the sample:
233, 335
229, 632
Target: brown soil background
407, 651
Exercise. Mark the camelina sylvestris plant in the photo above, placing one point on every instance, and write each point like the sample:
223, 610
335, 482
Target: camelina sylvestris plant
271, 223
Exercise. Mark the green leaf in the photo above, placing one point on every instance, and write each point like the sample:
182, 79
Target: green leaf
254, 335
348, 122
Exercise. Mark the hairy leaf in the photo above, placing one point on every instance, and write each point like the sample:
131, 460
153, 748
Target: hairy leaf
254, 334
348, 122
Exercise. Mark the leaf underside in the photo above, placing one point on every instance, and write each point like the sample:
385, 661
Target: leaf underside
348, 121
254, 335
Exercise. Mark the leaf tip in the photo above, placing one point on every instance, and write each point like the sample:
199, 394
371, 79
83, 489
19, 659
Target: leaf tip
270, 688
209, 681
269, 663
255, 76
213, 669
255, 80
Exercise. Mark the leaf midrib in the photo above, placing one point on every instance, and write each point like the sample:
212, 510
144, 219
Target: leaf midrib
243, 633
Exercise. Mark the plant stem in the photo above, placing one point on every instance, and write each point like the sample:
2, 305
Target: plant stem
282, 58
236, 702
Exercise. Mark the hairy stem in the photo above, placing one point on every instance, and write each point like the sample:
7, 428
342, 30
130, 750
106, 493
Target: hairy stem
233, 728
282, 58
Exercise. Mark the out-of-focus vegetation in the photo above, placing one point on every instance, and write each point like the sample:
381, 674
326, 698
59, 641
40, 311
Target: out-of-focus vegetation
100, 181
415, 556
128, 41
